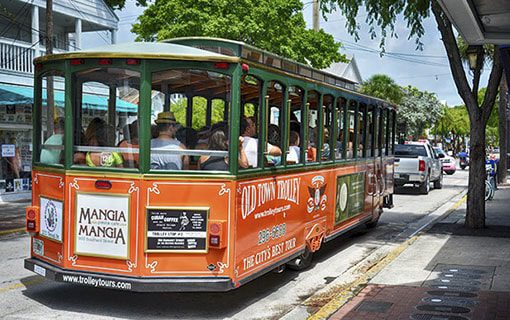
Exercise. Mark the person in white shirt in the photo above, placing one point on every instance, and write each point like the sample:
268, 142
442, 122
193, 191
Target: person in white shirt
250, 144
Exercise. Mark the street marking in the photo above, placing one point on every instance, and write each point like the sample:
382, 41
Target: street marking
354, 287
37, 280
4, 232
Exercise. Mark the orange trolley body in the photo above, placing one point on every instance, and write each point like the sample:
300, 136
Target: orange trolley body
253, 226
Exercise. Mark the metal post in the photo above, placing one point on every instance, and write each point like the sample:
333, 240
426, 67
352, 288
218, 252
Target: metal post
77, 33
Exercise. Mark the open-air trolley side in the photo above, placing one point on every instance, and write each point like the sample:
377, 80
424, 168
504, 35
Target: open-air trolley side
197, 164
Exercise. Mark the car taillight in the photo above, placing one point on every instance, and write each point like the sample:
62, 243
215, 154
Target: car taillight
32, 217
217, 234
421, 165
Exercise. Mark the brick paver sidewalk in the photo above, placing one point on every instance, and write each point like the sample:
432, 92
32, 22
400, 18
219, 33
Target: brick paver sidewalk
380, 302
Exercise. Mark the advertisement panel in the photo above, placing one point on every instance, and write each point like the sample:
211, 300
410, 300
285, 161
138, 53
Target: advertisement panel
102, 225
350, 196
51, 218
177, 229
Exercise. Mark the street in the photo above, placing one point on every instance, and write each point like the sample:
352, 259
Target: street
28, 296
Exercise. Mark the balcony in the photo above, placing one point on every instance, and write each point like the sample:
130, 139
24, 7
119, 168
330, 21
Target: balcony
16, 57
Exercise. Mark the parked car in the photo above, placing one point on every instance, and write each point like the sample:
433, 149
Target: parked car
416, 163
448, 163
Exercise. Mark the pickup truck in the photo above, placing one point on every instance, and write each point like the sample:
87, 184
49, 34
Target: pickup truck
417, 163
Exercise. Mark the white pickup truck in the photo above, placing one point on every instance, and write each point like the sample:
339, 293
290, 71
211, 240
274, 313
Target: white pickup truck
417, 163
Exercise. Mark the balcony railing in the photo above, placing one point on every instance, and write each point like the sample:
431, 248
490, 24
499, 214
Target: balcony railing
18, 56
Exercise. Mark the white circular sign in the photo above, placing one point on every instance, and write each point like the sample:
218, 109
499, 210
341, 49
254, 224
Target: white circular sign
343, 197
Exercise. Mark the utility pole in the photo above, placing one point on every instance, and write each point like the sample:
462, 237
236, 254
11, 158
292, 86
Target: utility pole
50, 99
315, 17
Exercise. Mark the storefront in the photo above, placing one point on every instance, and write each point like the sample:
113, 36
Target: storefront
16, 131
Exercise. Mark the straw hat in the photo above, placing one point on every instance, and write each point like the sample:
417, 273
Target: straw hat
165, 117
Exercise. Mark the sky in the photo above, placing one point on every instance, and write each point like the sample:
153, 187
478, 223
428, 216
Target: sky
428, 70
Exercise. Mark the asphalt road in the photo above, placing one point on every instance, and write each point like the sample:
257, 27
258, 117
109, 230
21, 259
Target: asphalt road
24, 295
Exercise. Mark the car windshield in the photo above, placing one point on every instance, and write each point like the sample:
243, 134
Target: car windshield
440, 151
410, 150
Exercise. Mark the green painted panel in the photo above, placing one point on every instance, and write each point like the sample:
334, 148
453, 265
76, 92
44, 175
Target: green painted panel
350, 196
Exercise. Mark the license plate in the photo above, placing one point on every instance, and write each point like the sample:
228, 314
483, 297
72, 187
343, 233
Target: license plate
38, 247
396, 175
414, 177
40, 270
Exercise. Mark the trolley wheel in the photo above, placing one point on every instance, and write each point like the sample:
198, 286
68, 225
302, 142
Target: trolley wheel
302, 262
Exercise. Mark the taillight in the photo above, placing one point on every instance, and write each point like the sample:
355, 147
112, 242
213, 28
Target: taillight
221, 65
132, 62
103, 184
32, 217
77, 62
105, 62
217, 234
421, 165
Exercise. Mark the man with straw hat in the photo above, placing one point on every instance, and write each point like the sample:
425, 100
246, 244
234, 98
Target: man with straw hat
165, 148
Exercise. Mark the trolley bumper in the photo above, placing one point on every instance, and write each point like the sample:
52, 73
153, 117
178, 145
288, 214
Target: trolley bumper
136, 284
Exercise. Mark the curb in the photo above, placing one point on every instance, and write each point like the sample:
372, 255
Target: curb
11, 231
354, 287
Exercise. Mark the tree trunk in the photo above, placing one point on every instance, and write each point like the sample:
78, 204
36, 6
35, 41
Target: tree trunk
503, 151
475, 215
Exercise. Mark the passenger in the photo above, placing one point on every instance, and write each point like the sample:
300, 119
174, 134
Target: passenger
274, 138
97, 135
219, 141
50, 155
294, 150
167, 127
131, 159
325, 148
250, 144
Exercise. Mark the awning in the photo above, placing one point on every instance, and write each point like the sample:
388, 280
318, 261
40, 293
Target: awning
13, 94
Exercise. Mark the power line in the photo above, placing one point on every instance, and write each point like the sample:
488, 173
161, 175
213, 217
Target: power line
22, 9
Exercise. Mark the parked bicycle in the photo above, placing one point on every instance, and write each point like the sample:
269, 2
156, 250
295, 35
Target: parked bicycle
490, 180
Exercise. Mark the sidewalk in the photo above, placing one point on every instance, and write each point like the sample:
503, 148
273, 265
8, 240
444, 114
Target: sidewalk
12, 216
448, 273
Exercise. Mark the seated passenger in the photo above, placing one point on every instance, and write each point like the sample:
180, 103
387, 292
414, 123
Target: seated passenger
97, 135
294, 150
273, 137
250, 144
160, 160
54, 156
131, 159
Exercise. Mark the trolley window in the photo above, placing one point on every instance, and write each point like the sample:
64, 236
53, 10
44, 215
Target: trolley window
189, 117
296, 129
105, 115
52, 118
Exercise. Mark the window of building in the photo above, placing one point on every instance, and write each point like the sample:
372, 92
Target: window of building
105, 118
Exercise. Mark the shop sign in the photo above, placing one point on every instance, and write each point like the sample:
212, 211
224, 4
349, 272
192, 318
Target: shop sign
177, 229
51, 219
8, 150
102, 225
350, 196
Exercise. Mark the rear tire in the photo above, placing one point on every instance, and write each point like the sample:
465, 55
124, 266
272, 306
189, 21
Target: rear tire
438, 184
424, 188
462, 167
450, 172
302, 262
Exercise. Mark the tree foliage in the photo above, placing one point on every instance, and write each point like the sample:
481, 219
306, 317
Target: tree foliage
384, 87
382, 16
418, 110
274, 25
120, 4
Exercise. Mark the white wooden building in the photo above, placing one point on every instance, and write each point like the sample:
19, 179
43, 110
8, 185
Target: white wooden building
22, 38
